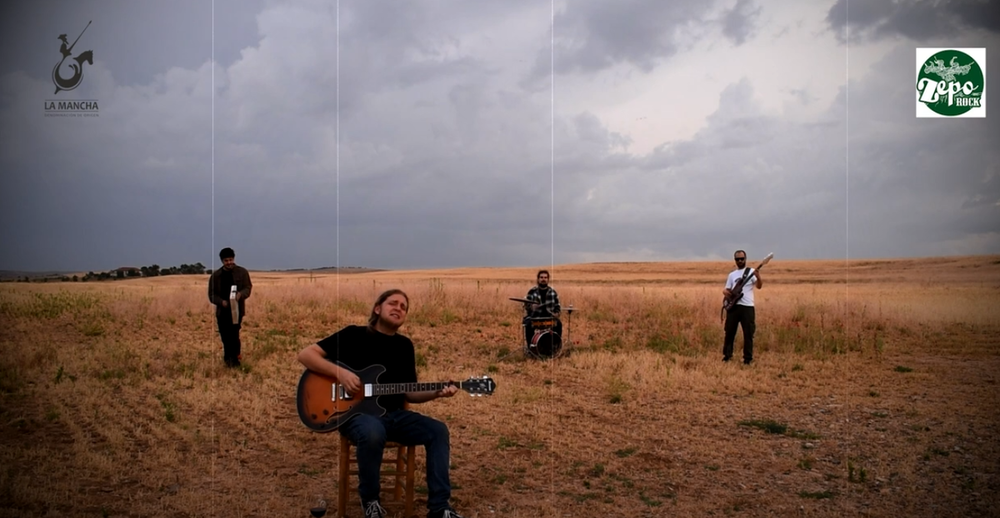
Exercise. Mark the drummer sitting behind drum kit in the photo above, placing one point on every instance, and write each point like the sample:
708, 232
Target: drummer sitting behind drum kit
544, 304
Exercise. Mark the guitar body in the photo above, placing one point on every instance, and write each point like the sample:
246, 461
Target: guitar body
324, 406
728, 303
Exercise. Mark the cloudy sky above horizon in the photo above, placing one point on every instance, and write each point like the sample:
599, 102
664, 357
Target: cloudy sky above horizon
451, 133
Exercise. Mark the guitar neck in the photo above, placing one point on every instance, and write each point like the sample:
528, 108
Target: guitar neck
757, 269
744, 280
387, 389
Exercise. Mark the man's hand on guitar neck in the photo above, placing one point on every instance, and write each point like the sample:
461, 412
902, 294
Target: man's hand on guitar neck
423, 397
448, 391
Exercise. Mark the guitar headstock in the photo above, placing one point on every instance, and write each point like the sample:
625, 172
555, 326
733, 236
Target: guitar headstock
767, 259
482, 386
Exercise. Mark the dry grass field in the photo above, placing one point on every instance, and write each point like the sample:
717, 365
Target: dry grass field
874, 393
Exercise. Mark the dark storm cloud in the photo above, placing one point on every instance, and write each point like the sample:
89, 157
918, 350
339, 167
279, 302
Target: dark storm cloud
592, 36
918, 186
737, 181
915, 19
739, 22
431, 154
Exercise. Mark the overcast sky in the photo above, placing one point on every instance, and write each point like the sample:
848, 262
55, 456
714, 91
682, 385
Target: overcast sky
454, 133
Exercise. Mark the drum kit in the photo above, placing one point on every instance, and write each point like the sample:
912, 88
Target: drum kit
545, 341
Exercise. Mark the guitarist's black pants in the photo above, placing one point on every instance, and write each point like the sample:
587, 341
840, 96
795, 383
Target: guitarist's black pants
230, 335
369, 435
743, 316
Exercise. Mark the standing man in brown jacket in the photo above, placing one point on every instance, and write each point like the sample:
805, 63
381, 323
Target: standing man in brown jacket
219, 287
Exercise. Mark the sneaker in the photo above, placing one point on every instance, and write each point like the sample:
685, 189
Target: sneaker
373, 510
445, 513
726, 359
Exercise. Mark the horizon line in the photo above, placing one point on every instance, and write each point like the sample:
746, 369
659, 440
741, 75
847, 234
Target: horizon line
371, 268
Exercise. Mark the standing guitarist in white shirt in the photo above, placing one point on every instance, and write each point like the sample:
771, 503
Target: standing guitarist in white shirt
742, 313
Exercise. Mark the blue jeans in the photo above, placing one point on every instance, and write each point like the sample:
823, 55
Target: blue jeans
369, 435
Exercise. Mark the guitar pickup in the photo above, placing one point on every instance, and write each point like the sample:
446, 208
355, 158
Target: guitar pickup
340, 393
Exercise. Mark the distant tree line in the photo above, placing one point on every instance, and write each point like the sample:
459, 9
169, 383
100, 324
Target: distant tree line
156, 271
125, 273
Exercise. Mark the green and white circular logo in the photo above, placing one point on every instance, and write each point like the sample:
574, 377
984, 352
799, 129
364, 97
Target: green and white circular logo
951, 83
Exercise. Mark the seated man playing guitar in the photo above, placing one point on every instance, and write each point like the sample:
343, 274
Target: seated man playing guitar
359, 347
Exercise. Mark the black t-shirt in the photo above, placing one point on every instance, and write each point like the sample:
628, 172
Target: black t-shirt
227, 283
358, 348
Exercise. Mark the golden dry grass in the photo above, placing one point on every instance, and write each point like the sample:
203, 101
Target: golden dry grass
879, 377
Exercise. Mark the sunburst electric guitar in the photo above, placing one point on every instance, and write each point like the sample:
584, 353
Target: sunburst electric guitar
324, 405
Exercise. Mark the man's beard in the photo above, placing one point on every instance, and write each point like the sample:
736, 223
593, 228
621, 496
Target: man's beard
387, 324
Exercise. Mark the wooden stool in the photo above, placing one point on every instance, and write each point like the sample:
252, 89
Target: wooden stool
401, 470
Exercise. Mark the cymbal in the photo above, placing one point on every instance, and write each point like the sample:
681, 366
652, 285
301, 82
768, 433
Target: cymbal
526, 301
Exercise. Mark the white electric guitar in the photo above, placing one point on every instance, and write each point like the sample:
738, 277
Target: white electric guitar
234, 305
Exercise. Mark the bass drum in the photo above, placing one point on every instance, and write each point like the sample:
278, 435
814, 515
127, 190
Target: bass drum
545, 344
